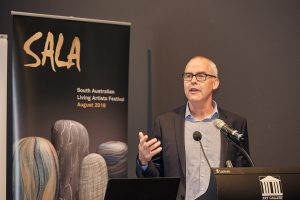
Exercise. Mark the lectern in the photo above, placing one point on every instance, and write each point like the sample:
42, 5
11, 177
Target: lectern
246, 183
255, 183
142, 189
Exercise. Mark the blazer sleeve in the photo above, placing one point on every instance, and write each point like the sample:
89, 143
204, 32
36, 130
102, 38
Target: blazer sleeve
155, 166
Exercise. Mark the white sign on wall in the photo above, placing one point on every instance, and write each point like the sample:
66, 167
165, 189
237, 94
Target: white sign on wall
3, 107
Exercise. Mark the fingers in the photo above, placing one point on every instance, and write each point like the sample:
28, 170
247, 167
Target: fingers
151, 142
154, 145
143, 138
143, 148
156, 151
141, 134
148, 149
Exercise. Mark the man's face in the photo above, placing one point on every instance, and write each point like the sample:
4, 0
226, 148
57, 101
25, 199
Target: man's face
200, 91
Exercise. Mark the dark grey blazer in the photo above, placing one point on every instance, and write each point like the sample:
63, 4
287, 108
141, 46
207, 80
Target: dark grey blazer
169, 129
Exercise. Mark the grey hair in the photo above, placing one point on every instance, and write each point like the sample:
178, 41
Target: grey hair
214, 68
211, 63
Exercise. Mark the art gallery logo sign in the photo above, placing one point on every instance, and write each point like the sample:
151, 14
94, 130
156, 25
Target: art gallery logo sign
271, 187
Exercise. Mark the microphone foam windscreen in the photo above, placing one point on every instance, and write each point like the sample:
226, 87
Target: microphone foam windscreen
219, 123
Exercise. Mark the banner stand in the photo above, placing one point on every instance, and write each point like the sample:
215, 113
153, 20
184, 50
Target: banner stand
3, 111
69, 95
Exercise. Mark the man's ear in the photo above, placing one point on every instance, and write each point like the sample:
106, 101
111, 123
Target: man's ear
216, 84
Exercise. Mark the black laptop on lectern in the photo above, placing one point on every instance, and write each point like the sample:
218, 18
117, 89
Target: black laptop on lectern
142, 188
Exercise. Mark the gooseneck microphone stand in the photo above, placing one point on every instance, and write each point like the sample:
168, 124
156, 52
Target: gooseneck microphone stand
234, 143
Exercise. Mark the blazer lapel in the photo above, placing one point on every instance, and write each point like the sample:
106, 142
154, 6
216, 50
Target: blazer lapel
179, 135
224, 141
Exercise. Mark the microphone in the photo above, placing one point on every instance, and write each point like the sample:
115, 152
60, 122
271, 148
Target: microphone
197, 136
221, 125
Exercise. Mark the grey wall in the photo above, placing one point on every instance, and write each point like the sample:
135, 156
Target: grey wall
254, 43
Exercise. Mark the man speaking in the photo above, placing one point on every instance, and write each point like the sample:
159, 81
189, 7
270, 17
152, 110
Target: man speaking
171, 151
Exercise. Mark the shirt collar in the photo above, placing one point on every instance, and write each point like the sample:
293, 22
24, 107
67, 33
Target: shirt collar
211, 117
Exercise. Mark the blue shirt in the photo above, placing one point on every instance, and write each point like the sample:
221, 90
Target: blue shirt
197, 169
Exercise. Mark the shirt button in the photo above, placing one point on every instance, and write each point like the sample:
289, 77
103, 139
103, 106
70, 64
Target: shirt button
202, 175
201, 189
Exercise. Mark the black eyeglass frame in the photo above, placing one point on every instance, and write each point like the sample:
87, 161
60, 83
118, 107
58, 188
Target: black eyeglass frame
203, 76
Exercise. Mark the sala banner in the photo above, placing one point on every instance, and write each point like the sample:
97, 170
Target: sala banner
69, 104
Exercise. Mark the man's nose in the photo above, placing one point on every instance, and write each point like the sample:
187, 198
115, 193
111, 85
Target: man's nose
194, 79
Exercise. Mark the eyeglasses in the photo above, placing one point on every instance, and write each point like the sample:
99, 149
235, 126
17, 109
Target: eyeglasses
199, 76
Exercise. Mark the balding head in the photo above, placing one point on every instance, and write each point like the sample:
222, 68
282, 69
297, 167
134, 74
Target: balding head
212, 66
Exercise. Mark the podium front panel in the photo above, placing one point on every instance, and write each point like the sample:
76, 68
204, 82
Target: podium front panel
257, 183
